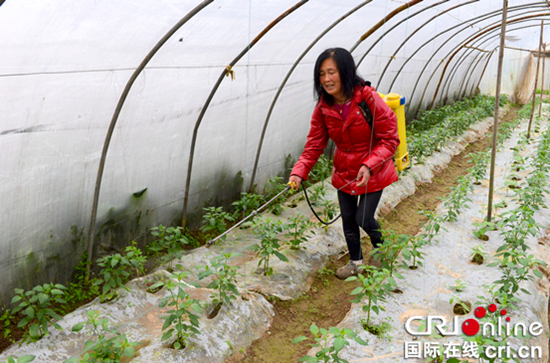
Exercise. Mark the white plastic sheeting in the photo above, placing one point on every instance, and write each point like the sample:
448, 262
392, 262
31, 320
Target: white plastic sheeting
64, 66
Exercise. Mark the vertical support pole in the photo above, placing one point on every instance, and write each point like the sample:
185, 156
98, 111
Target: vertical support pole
536, 82
542, 79
497, 105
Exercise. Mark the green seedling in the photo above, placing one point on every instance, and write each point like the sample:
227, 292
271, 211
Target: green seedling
389, 251
215, 221
460, 307
22, 359
248, 203
329, 212
110, 346
180, 321
268, 231
330, 343
412, 252
36, 306
298, 231
478, 254
225, 282
483, 228
323, 274
317, 193
374, 285
321, 170
6, 320
274, 186
459, 285
136, 258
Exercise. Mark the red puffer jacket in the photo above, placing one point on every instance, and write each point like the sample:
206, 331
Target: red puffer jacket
355, 144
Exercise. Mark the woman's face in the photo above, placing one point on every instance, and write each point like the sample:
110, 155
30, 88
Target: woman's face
329, 76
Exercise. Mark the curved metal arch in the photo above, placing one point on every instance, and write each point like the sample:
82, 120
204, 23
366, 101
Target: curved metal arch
473, 38
285, 80
433, 73
114, 120
468, 23
476, 60
213, 92
482, 72
390, 29
454, 71
411, 35
478, 19
517, 20
462, 93
383, 21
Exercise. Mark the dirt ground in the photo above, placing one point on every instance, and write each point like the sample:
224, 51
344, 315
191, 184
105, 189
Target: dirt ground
328, 300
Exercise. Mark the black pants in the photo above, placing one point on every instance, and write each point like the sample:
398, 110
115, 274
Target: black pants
359, 215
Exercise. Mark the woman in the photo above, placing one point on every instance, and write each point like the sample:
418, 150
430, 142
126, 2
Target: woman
363, 164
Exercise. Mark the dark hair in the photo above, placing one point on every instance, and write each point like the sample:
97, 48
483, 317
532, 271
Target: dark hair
346, 67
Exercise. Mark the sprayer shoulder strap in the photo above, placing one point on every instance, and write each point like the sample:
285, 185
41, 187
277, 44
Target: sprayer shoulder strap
365, 110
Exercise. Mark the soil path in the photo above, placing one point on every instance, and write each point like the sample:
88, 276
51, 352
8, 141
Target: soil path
328, 300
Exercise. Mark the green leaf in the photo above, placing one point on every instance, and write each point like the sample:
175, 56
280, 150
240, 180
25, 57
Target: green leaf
360, 341
299, 339
129, 352
29, 312
537, 273
15, 299
89, 344
42, 298
25, 358
79, 326
314, 329
280, 256
339, 344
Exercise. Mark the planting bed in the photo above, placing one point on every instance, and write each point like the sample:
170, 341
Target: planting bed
228, 335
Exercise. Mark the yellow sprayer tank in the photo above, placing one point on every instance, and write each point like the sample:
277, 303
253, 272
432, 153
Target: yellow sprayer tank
397, 104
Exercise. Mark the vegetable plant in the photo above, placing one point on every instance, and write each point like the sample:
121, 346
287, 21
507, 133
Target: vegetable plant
225, 282
274, 186
113, 275
169, 240
269, 245
215, 221
478, 254
329, 212
136, 258
111, 345
483, 228
6, 320
374, 284
330, 343
459, 285
317, 193
321, 170
180, 320
460, 307
248, 203
35, 305
388, 252
412, 252
22, 359
297, 230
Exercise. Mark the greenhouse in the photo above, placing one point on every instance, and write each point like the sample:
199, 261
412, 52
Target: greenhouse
274, 181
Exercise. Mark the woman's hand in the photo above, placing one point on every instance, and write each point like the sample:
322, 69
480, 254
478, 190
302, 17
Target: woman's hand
294, 181
363, 176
